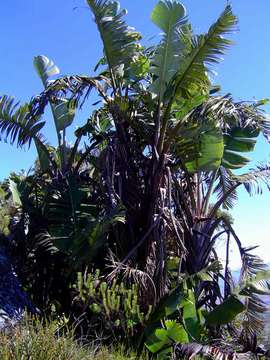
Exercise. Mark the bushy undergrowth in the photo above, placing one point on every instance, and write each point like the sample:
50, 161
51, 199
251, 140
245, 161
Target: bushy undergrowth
37, 340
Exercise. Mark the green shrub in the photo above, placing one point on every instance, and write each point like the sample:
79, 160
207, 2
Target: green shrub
113, 306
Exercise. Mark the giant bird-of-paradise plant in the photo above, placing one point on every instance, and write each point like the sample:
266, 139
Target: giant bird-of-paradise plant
56, 197
164, 146
20, 127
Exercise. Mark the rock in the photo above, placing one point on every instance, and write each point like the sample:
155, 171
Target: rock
13, 299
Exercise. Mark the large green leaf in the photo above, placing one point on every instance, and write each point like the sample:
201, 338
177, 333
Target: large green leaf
16, 196
44, 161
233, 160
168, 305
45, 68
239, 144
5, 214
119, 40
64, 112
238, 140
163, 337
208, 150
232, 306
225, 312
62, 109
21, 188
190, 316
169, 16
186, 105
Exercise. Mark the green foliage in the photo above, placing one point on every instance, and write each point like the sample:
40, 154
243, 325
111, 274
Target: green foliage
255, 179
168, 305
161, 339
78, 227
163, 331
225, 190
237, 141
45, 68
114, 306
193, 323
5, 213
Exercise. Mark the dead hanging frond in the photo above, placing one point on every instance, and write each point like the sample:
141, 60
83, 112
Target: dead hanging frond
191, 350
75, 88
254, 316
251, 263
133, 251
254, 286
130, 274
225, 188
177, 228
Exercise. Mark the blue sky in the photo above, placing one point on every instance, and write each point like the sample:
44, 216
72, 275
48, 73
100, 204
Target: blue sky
64, 31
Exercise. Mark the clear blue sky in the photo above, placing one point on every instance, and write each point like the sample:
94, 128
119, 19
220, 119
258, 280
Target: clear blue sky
64, 31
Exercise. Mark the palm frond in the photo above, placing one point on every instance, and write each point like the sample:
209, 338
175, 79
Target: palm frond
128, 273
253, 284
119, 40
251, 264
254, 180
16, 124
206, 50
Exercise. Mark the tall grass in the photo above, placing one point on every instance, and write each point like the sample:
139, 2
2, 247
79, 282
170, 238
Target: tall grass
35, 340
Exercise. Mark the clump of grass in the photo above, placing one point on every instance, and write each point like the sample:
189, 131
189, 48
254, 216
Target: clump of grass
39, 340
